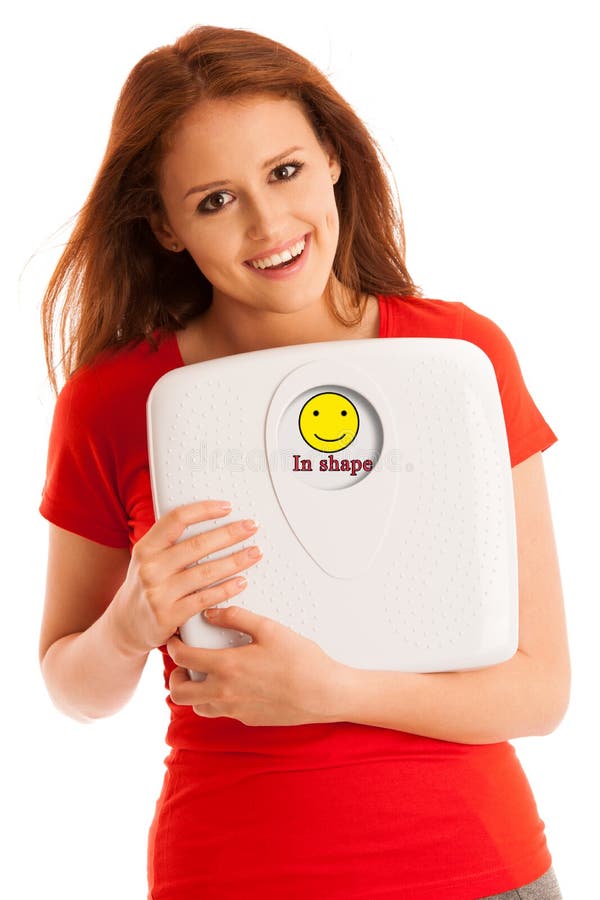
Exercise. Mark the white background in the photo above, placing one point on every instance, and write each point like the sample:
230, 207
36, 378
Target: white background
487, 113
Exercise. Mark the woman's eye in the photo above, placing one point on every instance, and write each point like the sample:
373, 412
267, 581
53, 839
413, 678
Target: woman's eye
290, 165
207, 205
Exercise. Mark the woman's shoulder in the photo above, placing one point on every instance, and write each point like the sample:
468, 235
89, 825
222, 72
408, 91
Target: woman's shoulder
118, 380
123, 370
421, 316
433, 317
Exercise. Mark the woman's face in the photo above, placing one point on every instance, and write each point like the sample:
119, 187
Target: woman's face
271, 196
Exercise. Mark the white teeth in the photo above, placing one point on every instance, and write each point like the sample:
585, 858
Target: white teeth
278, 258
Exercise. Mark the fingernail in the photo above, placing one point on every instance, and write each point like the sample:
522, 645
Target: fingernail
224, 505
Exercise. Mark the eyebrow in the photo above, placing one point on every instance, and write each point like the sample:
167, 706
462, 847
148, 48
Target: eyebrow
213, 184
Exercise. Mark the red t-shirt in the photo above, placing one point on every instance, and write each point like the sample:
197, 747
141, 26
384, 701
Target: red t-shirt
336, 811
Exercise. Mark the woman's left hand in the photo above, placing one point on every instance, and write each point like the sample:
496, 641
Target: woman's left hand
282, 678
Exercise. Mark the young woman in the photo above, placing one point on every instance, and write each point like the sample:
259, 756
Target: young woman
226, 149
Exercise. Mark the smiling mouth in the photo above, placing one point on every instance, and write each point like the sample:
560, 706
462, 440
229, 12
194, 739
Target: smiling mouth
282, 265
330, 440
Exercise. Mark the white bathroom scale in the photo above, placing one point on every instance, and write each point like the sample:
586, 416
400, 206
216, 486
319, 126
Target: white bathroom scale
379, 471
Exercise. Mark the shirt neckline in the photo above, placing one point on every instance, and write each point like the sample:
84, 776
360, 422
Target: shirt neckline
383, 330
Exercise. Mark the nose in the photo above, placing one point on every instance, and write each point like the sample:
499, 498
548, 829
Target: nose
265, 220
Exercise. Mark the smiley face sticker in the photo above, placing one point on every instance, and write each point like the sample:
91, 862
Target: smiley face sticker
328, 422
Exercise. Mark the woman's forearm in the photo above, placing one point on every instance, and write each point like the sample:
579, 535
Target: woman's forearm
483, 706
90, 675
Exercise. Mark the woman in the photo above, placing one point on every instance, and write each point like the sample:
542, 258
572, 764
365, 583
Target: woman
225, 149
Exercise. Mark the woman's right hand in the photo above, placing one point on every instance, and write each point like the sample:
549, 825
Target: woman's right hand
163, 588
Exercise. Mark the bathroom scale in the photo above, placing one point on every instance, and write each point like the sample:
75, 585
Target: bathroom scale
380, 474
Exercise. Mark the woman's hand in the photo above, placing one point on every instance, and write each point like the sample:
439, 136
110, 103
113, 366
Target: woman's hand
282, 678
163, 588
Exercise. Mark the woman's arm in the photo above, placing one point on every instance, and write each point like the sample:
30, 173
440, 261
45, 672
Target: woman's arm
106, 609
87, 672
527, 695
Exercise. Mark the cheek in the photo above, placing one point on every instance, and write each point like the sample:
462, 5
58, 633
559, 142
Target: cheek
331, 216
319, 204
213, 254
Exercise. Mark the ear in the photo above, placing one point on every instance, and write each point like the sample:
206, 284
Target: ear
335, 167
163, 232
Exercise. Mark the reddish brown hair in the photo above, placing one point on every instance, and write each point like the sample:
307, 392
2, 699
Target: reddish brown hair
118, 283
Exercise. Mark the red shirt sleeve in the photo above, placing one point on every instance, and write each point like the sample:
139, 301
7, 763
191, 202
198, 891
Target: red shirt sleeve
80, 493
527, 430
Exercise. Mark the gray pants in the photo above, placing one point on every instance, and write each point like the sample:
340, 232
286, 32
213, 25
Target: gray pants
544, 888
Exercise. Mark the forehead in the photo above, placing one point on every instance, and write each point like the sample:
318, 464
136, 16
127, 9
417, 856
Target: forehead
251, 128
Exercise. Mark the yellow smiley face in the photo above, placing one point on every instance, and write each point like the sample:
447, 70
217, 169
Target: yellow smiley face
328, 422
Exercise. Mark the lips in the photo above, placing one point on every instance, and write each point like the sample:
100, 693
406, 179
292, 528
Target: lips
277, 250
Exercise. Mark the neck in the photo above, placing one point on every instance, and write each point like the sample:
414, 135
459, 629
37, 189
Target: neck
231, 327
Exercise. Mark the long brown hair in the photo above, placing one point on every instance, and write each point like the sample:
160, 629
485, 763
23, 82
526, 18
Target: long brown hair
119, 284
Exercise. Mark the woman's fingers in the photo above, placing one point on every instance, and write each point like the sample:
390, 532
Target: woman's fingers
169, 579
208, 573
197, 547
169, 528
203, 599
